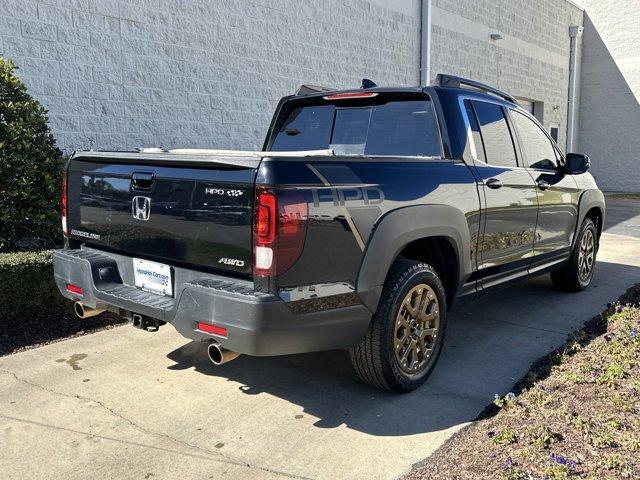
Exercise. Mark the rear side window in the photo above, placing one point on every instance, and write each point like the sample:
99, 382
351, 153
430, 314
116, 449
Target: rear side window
536, 145
496, 137
403, 128
475, 132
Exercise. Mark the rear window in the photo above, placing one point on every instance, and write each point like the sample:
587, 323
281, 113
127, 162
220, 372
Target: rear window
403, 128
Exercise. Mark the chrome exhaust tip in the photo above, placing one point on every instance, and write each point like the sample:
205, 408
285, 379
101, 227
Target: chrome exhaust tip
219, 355
82, 311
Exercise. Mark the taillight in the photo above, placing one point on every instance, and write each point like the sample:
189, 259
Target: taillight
280, 229
266, 217
63, 203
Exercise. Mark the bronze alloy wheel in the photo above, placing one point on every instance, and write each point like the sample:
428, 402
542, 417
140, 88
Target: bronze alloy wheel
416, 328
406, 333
586, 256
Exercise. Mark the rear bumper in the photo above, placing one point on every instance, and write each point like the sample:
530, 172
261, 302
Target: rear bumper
257, 323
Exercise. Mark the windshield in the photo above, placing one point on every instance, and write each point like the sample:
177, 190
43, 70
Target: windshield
403, 128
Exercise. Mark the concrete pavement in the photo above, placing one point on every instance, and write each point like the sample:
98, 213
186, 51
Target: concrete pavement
129, 404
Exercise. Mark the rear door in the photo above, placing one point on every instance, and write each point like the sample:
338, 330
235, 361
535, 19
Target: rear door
511, 205
557, 192
173, 213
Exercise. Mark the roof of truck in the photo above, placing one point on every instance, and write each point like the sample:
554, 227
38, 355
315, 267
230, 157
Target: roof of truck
328, 92
450, 83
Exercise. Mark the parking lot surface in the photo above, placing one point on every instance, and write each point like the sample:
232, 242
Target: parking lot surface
123, 403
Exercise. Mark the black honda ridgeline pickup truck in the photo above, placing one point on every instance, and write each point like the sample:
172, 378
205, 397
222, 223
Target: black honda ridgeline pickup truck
368, 213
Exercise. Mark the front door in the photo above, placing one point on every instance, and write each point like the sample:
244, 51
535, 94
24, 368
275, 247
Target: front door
558, 192
511, 205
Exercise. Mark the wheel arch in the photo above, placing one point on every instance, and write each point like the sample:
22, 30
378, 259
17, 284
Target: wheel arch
592, 205
596, 214
406, 232
440, 253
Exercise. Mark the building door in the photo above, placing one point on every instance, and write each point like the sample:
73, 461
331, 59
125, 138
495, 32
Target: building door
511, 205
527, 105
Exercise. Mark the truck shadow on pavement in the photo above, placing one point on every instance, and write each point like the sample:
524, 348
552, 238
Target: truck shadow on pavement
490, 345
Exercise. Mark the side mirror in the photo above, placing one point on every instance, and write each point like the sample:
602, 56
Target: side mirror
577, 163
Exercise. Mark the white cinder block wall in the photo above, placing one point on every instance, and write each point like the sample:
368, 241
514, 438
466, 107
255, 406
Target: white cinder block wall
208, 73
530, 62
610, 96
196, 73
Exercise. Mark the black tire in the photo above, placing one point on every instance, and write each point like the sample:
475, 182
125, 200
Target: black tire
375, 359
571, 277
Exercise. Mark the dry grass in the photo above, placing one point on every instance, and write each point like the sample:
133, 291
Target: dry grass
577, 414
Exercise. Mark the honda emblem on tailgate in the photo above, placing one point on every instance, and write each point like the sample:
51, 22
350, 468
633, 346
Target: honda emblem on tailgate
141, 208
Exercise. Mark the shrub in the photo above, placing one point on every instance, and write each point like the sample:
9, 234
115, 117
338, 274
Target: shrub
32, 310
30, 166
27, 288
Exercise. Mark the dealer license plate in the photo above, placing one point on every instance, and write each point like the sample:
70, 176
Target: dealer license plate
153, 277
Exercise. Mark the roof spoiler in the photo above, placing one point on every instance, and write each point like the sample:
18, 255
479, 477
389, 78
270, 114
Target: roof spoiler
456, 82
311, 89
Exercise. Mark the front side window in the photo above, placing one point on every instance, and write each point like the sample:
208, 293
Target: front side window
402, 128
536, 145
496, 137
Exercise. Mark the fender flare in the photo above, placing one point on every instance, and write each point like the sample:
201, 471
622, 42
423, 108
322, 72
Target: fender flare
589, 199
399, 228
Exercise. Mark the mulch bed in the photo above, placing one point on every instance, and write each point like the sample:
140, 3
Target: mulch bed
575, 415
37, 331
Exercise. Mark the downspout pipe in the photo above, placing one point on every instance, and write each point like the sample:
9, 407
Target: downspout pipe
575, 32
425, 43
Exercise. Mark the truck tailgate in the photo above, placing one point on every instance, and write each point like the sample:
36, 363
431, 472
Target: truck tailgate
168, 211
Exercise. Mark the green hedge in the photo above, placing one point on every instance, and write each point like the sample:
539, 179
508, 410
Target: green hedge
30, 167
27, 288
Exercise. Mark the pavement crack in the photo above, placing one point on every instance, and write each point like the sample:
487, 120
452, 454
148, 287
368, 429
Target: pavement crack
212, 455
507, 322
114, 413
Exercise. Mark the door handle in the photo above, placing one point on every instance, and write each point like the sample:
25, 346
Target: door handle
493, 183
543, 185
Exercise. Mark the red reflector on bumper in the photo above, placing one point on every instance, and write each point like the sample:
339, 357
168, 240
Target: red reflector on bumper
213, 329
75, 289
